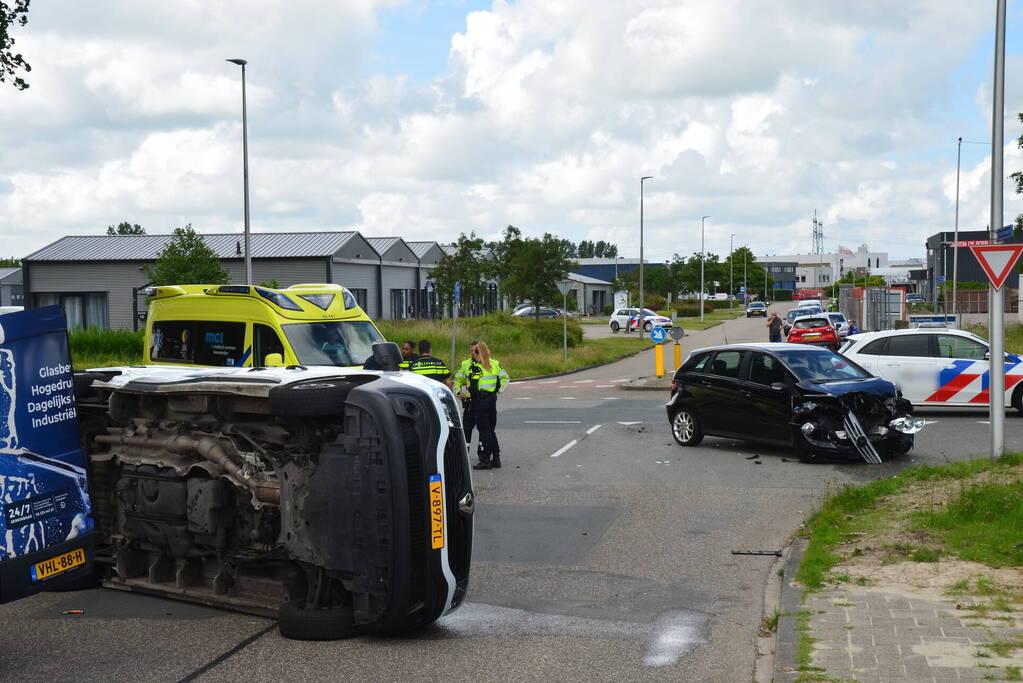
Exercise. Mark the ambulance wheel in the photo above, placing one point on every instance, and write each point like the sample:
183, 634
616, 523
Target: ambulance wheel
1017, 399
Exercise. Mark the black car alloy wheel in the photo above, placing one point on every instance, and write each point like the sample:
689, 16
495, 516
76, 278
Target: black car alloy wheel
686, 428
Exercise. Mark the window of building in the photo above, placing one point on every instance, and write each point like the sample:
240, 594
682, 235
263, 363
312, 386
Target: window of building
399, 304
82, 310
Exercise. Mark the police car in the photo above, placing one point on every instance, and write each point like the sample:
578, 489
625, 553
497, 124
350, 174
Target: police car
935, 367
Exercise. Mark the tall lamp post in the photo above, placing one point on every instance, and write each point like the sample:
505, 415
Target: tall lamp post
641, 180
731, 270
245, 172
703, 257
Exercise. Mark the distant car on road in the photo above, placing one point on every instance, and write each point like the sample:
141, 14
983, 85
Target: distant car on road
756, 308
936, 367
806, 398
629, 318
814, 329
840, 322
809, 303
545, 312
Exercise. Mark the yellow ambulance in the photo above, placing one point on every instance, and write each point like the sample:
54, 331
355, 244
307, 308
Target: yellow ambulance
247, 326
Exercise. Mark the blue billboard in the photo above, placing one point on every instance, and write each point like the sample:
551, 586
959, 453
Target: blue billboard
45, 513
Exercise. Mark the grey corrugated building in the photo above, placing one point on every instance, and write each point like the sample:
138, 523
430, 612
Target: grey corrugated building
97, 278
11, 293
429, 255
398, 285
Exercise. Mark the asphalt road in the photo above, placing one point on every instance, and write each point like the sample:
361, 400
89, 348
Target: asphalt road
603, 552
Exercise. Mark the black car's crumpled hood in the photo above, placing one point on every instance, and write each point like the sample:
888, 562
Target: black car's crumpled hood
875, 386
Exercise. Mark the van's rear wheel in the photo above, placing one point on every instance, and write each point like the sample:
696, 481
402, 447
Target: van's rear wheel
309, 399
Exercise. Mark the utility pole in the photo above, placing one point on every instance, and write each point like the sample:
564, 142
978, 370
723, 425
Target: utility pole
731, 268
996, 399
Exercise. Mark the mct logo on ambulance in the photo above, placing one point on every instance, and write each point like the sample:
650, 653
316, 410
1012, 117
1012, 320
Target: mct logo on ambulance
249, 326
941, 367
46, 526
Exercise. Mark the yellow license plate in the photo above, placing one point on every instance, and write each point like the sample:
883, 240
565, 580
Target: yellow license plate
813, 336
57, 565
436, 511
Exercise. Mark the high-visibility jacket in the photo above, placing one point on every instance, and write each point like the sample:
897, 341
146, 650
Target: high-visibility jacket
407, 364
493, 379
467, 377
430, 366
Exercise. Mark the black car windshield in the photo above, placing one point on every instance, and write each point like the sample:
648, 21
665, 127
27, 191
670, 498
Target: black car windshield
819, 365
343, 343
756, 305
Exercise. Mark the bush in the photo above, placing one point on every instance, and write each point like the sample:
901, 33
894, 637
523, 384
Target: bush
781, 295
690, 308
95, 347
608, 310
654, 302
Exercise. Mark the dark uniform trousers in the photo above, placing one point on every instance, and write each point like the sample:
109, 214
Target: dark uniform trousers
485, 409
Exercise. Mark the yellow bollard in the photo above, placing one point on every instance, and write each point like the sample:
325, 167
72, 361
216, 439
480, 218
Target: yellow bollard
678, 355
659, 360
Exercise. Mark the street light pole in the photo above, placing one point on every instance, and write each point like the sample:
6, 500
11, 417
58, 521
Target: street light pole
703, 257
996, 401
245, 172
641, 180
955, 240
731, 271
745, 262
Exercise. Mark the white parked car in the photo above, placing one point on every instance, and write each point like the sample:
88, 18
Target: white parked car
939, 367
628, 318
805, 303
840, 323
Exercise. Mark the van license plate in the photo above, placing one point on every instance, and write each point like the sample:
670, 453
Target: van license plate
436, 512
57, 565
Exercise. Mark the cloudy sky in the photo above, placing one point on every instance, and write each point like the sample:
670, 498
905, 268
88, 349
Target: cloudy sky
428, 118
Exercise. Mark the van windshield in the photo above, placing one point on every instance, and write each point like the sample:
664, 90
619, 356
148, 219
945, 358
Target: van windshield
343, 343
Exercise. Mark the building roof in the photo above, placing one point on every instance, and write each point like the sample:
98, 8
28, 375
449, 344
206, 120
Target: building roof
587, 280
225, 245
6, 272
382, 244
420, 248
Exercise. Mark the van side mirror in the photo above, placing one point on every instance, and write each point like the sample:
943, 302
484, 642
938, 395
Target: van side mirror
273, 360
387, 355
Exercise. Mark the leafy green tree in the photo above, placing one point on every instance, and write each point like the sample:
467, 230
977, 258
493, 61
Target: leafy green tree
12, 14
743, 258
468, 265
10, 262
586, 249
272, 283
532, 268
859, 277
187, 260
125, 228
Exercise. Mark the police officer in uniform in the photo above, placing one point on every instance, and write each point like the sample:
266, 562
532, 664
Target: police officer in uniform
465, 386
429, 365
491, 380
408, 355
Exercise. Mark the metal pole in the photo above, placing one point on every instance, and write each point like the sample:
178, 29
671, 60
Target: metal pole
731, 278
955, 239
641, 180
564, 322
997, 362
745, 262
245, 171
703, 258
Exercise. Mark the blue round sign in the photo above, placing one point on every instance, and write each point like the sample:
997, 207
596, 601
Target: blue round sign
658, 335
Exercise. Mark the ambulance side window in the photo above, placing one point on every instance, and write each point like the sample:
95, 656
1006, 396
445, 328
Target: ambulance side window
264, 342
951, 346
198, 342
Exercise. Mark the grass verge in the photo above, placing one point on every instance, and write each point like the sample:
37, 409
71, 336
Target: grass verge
98, 348
1013, 335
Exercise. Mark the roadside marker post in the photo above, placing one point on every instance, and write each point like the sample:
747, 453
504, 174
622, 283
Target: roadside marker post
657, 336
677, 333
563, 287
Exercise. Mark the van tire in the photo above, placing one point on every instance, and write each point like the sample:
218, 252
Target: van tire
309, 399
82, 382
297, 623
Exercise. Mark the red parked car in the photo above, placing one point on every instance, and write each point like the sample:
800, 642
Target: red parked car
814, 329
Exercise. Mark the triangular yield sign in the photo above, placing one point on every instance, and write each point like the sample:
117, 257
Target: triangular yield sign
997, 261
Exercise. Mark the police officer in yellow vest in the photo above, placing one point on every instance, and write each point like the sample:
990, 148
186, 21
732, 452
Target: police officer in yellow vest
428, 365
488, 378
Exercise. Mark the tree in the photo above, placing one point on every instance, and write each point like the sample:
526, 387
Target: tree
187, 260
125, 228
585, 249
533, 268
12, 14
469, 265
10, 262
858, 277
743, 257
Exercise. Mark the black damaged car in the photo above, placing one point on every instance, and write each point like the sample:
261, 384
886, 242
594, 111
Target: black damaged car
810, 399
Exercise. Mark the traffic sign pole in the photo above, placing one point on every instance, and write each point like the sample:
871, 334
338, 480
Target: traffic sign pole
997, 341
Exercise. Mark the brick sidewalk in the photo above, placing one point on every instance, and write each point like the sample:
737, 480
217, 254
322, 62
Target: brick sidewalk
870, 633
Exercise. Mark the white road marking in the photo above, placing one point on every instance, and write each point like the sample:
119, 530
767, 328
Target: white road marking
523, 398
592, 429
630, 423
548, 381
553, 422
604, 386
984, 422
564, 448
583, 381
620, 380
568, 398
611, 398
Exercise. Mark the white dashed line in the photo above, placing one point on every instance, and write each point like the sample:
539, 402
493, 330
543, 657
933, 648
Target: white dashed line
548, 381
592, 429
564, 448
630, 423
568, 398
553, 422
523, 398
610, 398
583, 381
620, 380
984, 422
604, 386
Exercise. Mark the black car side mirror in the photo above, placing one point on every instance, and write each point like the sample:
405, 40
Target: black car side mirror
778, 386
